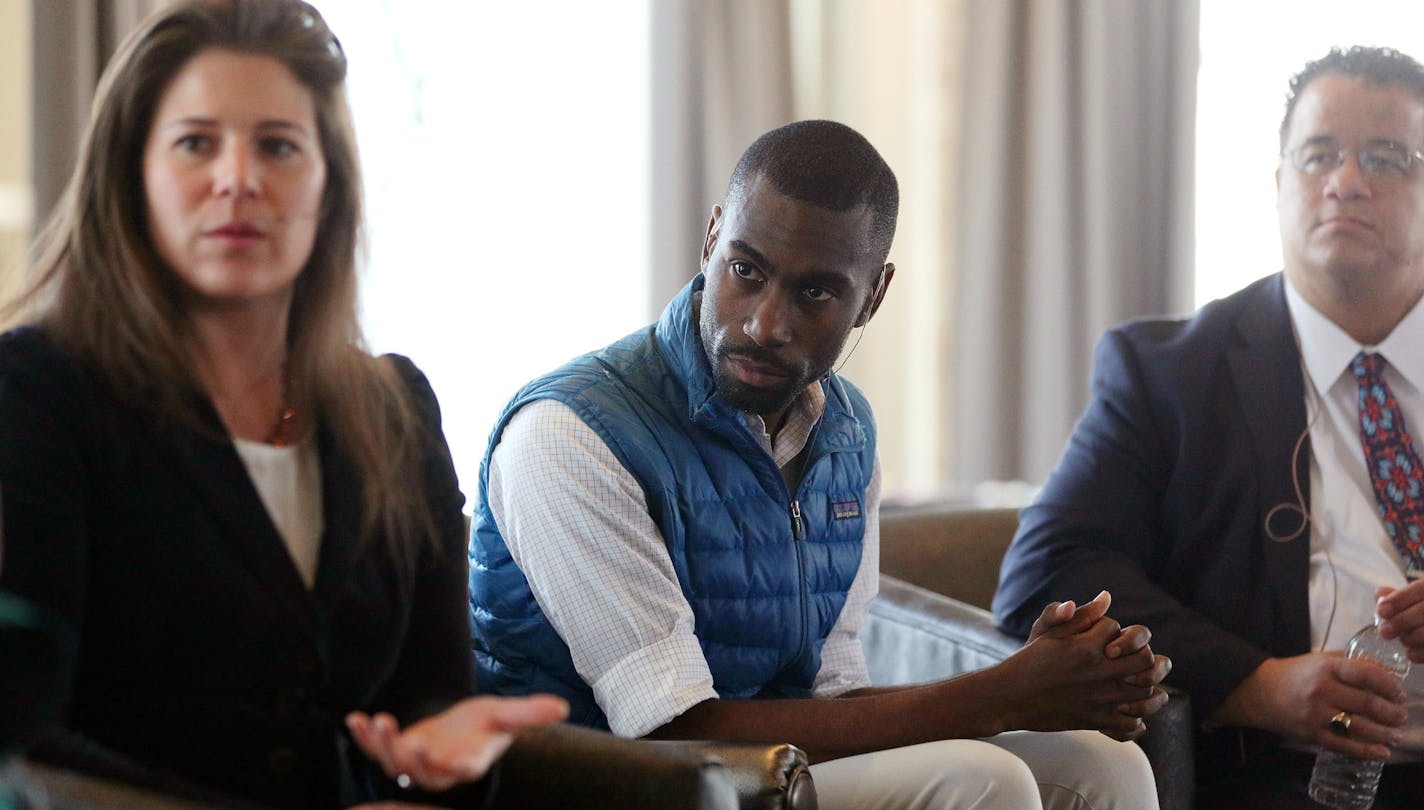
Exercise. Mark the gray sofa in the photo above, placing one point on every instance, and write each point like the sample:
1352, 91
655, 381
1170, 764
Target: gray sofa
939, 566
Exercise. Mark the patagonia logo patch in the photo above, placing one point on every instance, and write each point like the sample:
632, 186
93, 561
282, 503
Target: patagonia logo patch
845, 510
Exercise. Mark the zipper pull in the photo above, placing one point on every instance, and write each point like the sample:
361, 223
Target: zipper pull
798, 528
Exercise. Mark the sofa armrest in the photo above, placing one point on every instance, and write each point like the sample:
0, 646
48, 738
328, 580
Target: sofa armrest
947, 547
567, 766
1170, 746
767, 777
914, 635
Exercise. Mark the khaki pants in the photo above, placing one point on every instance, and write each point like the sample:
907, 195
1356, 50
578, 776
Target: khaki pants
1020, 770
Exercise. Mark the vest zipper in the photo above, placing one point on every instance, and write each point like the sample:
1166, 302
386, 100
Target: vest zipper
798, 531
798, 528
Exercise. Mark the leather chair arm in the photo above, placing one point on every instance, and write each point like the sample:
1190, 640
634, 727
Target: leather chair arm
767, 777
568, 766
1170, 746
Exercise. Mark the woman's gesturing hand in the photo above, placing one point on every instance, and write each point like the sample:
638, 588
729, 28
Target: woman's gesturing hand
455, 746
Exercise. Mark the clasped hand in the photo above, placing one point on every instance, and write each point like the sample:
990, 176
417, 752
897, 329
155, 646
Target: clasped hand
1081, 669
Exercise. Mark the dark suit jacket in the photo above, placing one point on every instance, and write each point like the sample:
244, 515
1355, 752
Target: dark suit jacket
1163, 494
202, 655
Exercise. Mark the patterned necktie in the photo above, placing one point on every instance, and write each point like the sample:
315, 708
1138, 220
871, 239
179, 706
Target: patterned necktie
1392, 460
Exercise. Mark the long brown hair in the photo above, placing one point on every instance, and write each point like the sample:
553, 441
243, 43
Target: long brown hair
100, 289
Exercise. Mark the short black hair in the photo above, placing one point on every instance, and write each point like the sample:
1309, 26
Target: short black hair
1374, 65
827, 164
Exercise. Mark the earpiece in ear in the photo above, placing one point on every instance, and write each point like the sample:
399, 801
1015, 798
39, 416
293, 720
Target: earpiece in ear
869, 307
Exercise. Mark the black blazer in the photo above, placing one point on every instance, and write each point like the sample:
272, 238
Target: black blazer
1163, 492
202, 655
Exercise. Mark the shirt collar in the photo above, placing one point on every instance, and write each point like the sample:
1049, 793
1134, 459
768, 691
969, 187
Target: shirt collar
1401, 347
1327, 350
801, 417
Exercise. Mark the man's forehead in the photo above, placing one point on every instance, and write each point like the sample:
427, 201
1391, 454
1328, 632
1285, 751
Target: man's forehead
1373, 109
764, 213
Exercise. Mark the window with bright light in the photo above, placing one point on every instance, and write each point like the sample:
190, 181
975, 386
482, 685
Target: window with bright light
505, 154
1249, 51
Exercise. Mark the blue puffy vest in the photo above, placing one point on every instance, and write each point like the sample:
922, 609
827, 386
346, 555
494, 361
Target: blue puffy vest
763, 600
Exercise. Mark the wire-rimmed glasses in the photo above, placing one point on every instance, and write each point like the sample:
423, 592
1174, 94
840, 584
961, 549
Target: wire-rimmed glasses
1379, 159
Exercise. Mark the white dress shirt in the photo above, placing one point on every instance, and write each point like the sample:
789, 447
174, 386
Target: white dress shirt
577, 524
1350, 552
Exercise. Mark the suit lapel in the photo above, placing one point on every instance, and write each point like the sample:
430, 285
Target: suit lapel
341, 499
1265, 368
216, 473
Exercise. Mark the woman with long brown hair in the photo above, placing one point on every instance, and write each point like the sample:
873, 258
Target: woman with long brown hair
252, 523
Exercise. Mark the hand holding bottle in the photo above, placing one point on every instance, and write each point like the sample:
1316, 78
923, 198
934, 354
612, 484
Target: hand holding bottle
1338, 780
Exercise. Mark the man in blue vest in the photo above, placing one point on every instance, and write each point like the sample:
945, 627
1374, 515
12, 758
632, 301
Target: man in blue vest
679, 532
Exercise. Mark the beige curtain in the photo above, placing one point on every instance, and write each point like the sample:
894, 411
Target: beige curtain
721, 77
892, 70
1076, 209
72, 41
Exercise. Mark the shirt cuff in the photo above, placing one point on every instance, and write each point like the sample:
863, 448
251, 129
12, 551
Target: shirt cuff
843, 669
649, 688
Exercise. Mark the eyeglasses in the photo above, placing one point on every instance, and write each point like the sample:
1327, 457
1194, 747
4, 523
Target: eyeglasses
1379, 160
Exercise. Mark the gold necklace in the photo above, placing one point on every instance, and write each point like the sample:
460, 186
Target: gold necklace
281, 435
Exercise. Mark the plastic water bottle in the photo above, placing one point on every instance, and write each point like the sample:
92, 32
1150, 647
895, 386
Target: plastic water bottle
1345, 782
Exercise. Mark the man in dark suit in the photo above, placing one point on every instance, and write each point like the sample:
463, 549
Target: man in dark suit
1218, 485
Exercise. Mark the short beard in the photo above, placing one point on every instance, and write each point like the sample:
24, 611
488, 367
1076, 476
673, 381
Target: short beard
760, 401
